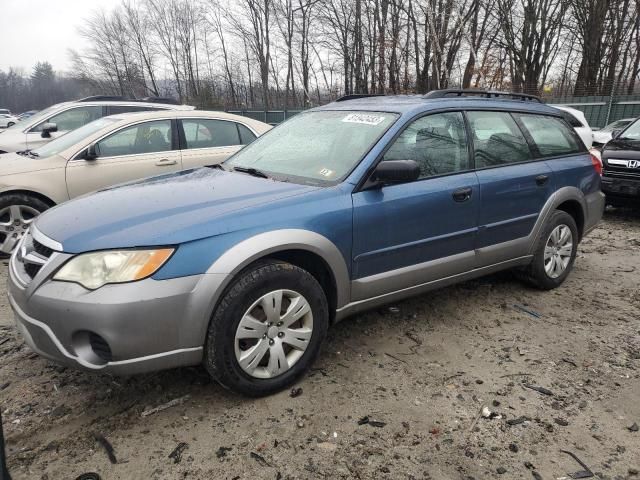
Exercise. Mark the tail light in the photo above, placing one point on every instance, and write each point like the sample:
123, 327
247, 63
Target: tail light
596, 160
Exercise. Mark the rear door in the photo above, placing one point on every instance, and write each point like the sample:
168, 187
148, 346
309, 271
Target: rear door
413, 233
137, 151
207, 141
514, 185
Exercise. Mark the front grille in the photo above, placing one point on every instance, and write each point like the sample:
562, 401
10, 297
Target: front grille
619, 173
32, 269
100, 347
32, 256
41, 249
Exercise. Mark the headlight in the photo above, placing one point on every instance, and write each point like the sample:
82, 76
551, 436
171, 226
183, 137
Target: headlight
93, 270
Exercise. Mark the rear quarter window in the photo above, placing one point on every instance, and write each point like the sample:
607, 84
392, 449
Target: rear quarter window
551, 136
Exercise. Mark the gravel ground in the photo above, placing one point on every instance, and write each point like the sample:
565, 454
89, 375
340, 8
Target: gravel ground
396, 393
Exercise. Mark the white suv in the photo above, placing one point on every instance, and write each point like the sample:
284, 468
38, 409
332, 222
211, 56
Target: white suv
61, 118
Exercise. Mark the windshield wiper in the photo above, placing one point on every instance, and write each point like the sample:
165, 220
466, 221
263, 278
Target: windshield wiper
217, 166
28, 153
251, 171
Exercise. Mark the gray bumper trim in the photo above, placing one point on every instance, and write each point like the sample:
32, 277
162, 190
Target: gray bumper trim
147, 361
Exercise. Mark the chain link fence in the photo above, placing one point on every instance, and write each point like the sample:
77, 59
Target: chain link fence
600, 110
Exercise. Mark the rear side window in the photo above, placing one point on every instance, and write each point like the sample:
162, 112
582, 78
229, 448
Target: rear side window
571, 120
246, 135
497, 139
551, 135
438, 143
204, 133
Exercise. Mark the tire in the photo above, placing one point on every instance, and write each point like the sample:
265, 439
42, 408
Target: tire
12, 226
223, 349
10, 124
536, 273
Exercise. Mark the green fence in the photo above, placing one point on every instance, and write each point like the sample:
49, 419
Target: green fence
602, 110
272, 117
599, 110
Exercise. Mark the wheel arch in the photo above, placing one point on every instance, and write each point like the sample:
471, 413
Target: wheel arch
32, 193
571, 200
303, 248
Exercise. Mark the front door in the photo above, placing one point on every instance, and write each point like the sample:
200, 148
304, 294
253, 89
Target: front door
134, 152
414, 233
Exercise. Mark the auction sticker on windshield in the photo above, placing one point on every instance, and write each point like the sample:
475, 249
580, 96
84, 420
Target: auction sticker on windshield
365, 118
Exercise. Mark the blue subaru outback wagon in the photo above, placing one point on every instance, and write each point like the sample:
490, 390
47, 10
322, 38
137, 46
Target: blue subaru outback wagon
243, 266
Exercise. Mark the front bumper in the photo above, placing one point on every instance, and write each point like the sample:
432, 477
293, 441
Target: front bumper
621, 188
147, 325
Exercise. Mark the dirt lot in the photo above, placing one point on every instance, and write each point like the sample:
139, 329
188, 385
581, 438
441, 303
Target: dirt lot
421, 371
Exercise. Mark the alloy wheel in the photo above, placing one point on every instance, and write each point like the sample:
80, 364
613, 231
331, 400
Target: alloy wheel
14, 222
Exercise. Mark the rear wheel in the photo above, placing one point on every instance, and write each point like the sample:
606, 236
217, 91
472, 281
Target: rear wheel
267, 329
17, 211
555, 252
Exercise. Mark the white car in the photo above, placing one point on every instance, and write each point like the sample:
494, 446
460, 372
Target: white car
578, 121
7, 120
59, 119
602, 136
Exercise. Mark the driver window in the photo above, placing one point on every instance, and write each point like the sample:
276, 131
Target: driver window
148, 137
72, 118
438, 143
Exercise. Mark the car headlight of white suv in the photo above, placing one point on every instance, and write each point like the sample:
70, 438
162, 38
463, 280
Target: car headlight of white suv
95, 269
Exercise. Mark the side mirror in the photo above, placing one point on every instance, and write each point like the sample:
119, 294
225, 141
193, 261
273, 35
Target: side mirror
394, 171
616, 133
47, 129
92, 152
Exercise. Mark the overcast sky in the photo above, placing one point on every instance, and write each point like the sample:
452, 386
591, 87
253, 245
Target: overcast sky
42, 30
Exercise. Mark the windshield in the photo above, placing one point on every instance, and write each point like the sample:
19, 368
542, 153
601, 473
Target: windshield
319, 147
68, 140
617, 125
37, 117
632, 132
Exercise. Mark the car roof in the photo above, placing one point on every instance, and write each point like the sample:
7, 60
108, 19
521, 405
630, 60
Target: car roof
414, 104
129, 117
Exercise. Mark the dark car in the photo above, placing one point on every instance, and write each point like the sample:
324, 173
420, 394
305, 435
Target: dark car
621, 167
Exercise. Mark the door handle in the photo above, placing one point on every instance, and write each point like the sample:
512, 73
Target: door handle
165, 162
462, 194
541, 180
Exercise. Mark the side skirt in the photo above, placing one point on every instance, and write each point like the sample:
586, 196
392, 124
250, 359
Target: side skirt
376, 301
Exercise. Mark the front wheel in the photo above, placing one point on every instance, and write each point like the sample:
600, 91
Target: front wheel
555, 252
17, 211
267, 329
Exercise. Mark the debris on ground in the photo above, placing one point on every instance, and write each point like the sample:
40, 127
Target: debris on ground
260, 459
176, 454
164, 406
487, 413
368, 421
222, 452
585, 473
295, 392
527, 311
107, 447
634, 427
542, 390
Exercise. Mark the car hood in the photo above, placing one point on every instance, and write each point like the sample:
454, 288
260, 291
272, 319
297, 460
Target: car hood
11, 140
601, 137
11, 163
165, 210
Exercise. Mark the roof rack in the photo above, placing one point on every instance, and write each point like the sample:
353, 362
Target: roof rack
102, 98
116, 98
171, 101
470, 92
354, 96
